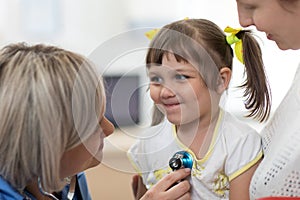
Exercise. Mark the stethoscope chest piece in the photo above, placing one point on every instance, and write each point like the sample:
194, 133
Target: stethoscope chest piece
181, 159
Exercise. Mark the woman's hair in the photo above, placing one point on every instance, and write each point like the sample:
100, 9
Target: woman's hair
51, 101
203, 44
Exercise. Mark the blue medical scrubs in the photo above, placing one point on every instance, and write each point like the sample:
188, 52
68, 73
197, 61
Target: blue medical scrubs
7, 192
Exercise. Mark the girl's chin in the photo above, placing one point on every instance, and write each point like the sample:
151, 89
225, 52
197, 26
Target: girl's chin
174, 120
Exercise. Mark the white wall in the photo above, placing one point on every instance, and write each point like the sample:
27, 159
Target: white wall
86, 26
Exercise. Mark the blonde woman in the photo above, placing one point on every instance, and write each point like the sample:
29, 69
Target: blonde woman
52, 124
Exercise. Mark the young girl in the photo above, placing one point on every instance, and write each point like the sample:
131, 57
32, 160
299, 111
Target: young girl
189, 64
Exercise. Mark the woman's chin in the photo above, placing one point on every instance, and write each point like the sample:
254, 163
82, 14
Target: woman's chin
284, 47
98, 158
93, 163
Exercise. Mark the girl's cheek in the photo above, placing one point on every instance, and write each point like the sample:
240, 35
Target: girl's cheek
154, 94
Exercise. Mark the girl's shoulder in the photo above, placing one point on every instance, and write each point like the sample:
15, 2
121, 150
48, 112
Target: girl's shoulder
155, 136
233, 127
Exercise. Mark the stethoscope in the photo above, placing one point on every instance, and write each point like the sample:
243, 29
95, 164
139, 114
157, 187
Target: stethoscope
47, 194
181, 159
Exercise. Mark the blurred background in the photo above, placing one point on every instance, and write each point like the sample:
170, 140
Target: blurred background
111, 33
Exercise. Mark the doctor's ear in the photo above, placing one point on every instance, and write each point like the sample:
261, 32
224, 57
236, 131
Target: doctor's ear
225, 76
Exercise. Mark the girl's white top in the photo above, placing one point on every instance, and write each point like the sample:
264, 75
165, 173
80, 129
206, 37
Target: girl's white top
234, 148
279, 172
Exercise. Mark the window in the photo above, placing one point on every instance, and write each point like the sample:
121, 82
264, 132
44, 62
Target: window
122, 106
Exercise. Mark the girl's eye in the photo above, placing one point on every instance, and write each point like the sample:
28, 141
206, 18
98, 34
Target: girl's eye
155, 79
181, 77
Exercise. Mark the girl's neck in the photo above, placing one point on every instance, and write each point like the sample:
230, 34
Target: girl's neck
198, 134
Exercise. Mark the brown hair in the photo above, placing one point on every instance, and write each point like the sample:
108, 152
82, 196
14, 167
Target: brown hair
203, 44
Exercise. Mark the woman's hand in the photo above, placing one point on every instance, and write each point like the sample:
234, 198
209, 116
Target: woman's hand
165, 188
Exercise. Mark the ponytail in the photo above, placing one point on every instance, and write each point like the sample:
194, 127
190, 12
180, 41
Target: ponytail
257, 90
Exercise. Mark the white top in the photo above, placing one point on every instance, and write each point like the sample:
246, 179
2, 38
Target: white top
279, 172
234, 148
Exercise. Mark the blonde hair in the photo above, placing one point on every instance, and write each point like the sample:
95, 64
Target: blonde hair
51, 99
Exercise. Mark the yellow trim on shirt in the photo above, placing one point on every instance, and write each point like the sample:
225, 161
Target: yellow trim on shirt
136, 168
246, 167
212, 143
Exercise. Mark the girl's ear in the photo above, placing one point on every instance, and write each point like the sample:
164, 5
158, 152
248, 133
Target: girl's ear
225, 75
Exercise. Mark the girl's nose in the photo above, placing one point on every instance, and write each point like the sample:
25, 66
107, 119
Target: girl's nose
167, 92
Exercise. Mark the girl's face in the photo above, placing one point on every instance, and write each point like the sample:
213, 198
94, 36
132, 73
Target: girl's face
178, 91
281, 25
88, 154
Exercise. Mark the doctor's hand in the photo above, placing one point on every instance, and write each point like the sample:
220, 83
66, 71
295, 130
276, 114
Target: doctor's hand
167, 188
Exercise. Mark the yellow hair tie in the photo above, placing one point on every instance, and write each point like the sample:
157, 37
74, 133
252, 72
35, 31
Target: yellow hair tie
233, 39
150, 34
